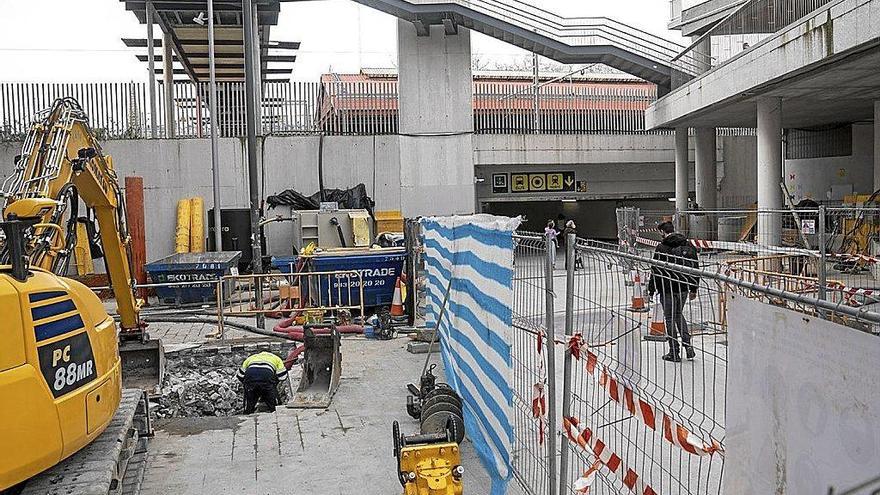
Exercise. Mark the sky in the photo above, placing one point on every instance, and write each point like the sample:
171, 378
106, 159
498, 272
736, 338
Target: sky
79, 40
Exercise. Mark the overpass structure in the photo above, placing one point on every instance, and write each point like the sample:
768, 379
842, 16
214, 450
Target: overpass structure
568, 40
805, 75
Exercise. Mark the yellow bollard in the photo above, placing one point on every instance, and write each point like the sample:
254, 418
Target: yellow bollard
181, 244
197, 225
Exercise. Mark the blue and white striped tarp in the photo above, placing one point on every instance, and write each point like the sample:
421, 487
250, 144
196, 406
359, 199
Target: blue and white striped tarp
476, 252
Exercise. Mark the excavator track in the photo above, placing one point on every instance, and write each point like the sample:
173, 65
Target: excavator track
113, 464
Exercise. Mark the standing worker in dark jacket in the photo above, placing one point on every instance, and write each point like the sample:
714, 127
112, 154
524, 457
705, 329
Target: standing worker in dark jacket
674, 287
260, 374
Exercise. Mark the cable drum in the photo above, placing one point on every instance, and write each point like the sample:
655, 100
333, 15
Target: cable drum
440, 406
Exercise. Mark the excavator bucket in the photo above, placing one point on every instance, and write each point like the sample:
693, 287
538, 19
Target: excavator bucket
321, 369
143, 364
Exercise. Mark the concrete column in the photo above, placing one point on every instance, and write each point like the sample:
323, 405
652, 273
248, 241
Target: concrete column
704, 168
705, 181
769, 170
877, 145
436, 121
168, 75
681, 173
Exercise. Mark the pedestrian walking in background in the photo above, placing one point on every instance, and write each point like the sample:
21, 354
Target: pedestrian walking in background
552, 234
674, 287
571, 228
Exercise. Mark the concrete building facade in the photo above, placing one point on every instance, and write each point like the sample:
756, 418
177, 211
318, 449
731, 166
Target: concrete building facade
811, 91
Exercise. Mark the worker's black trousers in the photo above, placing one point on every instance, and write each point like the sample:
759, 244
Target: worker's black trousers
260, 384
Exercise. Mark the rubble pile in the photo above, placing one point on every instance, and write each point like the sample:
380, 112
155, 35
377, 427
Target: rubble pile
189, 393
201, 381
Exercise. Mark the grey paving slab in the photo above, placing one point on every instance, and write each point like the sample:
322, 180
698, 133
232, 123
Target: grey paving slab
345, 449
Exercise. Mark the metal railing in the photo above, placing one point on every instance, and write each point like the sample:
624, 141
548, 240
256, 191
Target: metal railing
832, 252
577, 31
316, 295
120, 110
739, 31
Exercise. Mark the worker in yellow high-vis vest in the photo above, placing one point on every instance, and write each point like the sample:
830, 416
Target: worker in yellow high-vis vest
260, 374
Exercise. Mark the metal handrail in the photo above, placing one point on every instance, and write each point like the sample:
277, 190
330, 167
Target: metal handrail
566, 29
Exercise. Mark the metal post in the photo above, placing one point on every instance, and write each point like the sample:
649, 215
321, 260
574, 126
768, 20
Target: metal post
168, 76
549, 299
253, 179
821, 272
570, 262
151, 68
537, 93
215, 152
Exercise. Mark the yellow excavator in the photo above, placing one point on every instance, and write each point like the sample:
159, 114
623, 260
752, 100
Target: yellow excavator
60, 367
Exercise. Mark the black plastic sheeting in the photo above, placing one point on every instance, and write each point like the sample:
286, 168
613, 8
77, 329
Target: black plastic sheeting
354, 198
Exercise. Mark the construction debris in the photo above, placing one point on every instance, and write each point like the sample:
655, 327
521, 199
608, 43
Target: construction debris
201, 381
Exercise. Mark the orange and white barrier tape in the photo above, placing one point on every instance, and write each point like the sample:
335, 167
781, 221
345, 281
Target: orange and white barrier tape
539, 410
673, 431
585, 438
585, 482
539, 398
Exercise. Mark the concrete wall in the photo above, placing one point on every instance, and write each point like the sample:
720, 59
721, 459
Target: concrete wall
436, 121
806, 178
738, 171
813, 178
802, 403
620, 170
613, 166
174, 169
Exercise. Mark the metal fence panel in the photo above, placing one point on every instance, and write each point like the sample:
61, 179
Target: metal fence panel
531, 459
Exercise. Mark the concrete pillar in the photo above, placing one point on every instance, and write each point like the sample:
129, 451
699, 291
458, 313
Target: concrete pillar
681, 173
769, 170
705, 181
877, 145
436, 121
168, 75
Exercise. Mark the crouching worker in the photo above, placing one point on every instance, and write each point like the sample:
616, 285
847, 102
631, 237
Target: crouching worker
260, 374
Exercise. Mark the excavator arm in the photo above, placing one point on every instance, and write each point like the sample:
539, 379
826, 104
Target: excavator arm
62, 162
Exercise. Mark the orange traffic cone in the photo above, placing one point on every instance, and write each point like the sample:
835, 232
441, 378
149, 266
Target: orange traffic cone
658, 322
397, 300
638, 299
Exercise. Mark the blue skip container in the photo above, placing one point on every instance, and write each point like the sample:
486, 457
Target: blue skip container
284, 264
379, 271
203, 269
